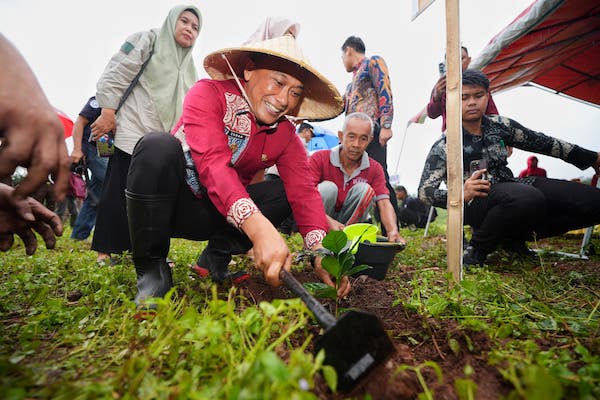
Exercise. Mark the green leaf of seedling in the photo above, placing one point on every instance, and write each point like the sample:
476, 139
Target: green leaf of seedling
540, 385
321, 290
454, 346
330, 377
346, 260
436, 368
357, 269
332, 265
335, 241
436, 304
549, 324
466, 389
277, 369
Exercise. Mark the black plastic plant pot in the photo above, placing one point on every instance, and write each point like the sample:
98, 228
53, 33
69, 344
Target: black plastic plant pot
378, 256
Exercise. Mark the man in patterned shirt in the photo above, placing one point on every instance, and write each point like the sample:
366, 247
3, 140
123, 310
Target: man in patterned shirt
506, 210
370, 92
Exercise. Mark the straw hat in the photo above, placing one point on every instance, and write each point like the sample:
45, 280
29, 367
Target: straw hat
321, 100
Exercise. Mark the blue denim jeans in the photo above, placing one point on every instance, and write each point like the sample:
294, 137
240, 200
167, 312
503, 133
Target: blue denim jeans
87, 215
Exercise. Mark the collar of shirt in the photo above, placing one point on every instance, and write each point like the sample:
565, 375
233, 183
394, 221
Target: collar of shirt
358, 65
334, 158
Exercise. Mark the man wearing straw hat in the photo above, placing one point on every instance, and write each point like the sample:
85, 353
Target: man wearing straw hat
195, 184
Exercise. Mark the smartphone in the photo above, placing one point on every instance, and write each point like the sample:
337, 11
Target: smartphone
442, 68
477, 165
105, 145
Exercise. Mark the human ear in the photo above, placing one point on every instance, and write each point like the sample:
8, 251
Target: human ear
248, 69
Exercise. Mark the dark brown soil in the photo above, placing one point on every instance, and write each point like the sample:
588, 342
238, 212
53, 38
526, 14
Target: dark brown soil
404, 328
416, 339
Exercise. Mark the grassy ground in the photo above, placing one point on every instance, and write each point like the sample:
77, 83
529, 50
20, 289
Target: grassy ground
69, 328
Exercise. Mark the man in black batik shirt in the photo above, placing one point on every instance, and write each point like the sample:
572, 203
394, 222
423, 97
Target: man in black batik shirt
502, 209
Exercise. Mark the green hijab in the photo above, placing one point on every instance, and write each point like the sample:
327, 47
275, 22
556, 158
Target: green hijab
171, 72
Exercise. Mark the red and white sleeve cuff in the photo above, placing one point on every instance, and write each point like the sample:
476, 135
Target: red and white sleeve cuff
313, 237
240, 211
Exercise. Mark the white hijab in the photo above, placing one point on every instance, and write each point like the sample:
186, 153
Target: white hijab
273, 27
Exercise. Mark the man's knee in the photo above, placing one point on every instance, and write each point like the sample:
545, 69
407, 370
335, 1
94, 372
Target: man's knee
157, 156
524, 201
156, 145
328, 190
361, 189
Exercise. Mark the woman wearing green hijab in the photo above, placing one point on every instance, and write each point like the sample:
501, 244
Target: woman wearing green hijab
154, 105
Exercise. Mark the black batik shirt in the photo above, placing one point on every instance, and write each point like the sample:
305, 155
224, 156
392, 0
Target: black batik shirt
497, 133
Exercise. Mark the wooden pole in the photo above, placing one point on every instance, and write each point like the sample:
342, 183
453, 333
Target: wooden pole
454, 140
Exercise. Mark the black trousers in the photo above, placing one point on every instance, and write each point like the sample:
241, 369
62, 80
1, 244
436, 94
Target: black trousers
408, 217
111, 234
517, 212
158, 168
379, 154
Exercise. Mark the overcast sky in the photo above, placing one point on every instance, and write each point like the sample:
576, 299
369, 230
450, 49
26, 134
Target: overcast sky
68, 43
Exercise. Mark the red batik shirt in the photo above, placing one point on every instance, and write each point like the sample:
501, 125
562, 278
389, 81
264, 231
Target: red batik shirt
228, 148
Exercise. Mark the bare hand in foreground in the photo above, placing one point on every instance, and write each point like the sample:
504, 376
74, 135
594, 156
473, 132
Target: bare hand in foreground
24, 216
30, 130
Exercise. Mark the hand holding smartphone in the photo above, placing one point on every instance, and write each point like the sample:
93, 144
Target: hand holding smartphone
477, 165
442, 68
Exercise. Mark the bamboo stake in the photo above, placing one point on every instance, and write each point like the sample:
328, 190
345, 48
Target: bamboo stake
454, 140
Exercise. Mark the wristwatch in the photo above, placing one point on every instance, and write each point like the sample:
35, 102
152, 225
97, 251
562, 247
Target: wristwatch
387, 125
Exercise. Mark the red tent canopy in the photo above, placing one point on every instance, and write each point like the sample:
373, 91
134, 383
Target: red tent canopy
554, 44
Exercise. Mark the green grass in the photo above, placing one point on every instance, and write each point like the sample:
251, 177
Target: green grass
68, 328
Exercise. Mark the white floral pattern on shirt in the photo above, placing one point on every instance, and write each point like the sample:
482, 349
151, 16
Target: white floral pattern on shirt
240, 211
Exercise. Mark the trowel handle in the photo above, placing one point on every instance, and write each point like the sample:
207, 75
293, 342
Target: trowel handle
324, 317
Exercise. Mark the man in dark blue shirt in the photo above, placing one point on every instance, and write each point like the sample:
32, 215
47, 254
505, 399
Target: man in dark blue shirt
412, 210
85, 149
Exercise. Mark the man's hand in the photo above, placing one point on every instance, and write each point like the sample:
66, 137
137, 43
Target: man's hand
334, 224
439, 89
32, 135
326, 278
394, 236
384, 136
597, 164
271, 253
104, 123
475, 186
76, 156
22, 217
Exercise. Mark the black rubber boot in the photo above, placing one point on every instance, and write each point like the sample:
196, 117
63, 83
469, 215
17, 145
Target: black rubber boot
217, 254
150, 228
474, 256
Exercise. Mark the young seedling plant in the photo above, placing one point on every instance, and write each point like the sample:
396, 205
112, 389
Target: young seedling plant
339, 263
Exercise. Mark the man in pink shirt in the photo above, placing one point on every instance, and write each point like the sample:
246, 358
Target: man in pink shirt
349, 181
196, 183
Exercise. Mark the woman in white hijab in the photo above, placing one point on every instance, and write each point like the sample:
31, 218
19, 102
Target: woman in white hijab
153, 105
